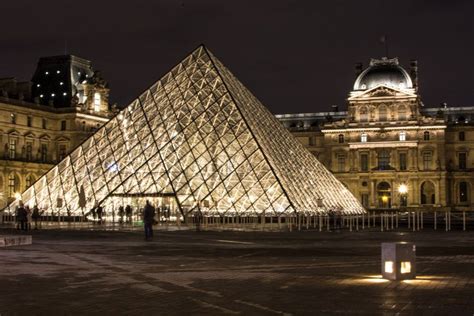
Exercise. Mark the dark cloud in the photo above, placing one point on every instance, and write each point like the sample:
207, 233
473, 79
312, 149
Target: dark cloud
296, 56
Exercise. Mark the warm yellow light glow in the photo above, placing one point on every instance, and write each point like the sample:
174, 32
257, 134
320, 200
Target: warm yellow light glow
389, 266
405, 267
385, 199
17, 196
403, 189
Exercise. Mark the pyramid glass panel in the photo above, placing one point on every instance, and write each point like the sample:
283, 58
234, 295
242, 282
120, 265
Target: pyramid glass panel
197, 140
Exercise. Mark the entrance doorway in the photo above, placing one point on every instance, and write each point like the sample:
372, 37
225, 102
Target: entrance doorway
165, 205
384, 195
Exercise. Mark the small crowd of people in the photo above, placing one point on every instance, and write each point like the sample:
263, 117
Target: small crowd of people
26, 216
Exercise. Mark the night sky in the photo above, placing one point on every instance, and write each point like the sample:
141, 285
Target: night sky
295, 56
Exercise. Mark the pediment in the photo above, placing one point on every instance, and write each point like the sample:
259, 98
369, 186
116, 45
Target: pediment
383, 92
29, 135
45, 137
62, 139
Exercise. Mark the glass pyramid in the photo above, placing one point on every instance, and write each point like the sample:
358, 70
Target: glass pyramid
201, 141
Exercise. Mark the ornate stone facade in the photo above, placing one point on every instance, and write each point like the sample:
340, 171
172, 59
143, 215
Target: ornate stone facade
388, 149
38, 130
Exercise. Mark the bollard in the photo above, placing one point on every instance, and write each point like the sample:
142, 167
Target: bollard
398, 261
463, 220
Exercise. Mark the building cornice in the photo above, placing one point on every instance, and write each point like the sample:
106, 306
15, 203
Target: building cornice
374, 129
384, 144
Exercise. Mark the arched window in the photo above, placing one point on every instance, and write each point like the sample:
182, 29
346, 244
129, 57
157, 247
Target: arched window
463, 192
384, 195
363, 113
382, 113
426, 135
427, 193
402, 113
29, 180
341, 138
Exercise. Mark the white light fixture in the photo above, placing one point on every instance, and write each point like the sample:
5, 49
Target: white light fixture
38, 85
64, 93
403, 189
52, 94
405, 267
41, 95
57, 71
46, 73
389, 266
61, 83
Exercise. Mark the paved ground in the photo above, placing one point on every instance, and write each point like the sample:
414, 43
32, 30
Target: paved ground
247, 273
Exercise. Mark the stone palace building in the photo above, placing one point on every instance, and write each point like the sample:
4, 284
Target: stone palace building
42, 120
387, 148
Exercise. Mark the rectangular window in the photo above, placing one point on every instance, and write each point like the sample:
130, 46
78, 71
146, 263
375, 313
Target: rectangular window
97, 102
363, 138
62, 152
365, 200
12, 149
463, 192
462, 136
29, 151
403, 136
341, 163
311, 141
63, 125
403, 161
29, 121
44, 152
364, 162
384, 160
11, 185
44, 123
462, 157
427, 157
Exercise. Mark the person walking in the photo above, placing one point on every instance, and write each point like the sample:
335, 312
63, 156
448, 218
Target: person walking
148, 220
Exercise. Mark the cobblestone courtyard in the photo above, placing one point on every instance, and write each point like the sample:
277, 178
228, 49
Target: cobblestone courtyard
247, 273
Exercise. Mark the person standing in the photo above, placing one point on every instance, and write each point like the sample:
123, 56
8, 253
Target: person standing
121, 212
128, 213
36, 216
148, 220
99, 213
22, 217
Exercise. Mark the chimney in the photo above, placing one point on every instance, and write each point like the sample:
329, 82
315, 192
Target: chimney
358, 69
414, 73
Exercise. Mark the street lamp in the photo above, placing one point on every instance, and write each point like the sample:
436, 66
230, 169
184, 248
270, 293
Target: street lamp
403, 191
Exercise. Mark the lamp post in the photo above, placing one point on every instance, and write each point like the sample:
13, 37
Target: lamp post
403, 191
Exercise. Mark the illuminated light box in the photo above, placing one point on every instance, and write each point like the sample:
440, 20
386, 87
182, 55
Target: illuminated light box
398, 260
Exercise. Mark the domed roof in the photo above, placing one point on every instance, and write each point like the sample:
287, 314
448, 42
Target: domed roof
385, 72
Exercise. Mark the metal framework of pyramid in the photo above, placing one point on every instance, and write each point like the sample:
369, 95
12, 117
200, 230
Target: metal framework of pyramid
200, 137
